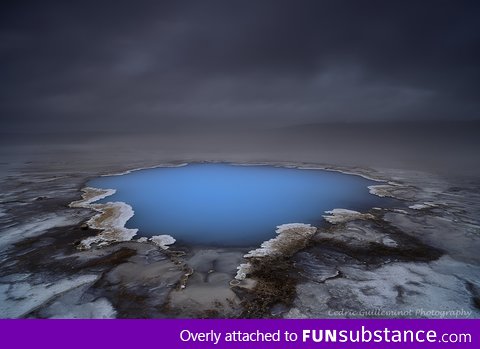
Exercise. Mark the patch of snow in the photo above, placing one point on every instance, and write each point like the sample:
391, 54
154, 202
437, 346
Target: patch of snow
34, 227
382, 190
111, 218
14, 277
98, 309
91, 195
389, 242
162, 241
243, 270
422, 206
290, 237
144, 168
412, 290
287, 233
19, 299
341, 215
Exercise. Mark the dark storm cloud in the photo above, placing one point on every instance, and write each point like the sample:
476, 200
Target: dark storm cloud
143, 65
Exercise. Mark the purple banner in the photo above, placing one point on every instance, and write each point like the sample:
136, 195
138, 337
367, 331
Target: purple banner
240, 333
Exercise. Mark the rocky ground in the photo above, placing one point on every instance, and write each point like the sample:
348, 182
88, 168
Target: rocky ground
418, 258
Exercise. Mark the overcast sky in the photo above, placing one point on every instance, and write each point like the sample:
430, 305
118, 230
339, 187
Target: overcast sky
147, 65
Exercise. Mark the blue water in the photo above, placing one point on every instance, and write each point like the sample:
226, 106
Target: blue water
228, 205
